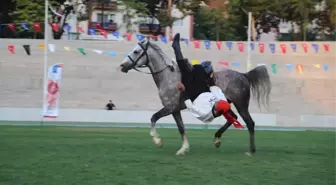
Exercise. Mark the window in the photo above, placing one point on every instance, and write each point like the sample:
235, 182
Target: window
178, 23
99, 17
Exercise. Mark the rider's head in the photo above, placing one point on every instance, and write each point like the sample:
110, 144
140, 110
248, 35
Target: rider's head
207, 66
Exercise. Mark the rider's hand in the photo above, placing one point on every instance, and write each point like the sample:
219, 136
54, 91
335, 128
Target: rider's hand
180, 86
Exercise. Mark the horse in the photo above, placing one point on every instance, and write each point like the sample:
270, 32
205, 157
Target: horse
165, 72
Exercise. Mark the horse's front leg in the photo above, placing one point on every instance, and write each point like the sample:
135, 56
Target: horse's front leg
179, 122
155, 136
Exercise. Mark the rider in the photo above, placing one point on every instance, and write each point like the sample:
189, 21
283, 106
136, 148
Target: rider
202, 97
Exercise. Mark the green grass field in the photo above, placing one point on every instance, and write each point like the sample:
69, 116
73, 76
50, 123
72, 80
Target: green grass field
99, 156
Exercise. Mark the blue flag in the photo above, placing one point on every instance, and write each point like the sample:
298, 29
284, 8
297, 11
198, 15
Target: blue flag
252, 46
293, 46
164, 39
67, 28
235, 64
116, 34
272, 47
207, 44
25, 26
92, 31
229, 45
316, 47
112, 53
140, 37
186, 41
326, 67
289, 66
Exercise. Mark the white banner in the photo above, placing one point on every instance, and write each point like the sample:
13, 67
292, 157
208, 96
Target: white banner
52, 94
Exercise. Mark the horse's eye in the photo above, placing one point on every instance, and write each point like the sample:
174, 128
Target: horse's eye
136, 52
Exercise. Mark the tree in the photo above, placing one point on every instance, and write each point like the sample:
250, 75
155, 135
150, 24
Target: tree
326, 19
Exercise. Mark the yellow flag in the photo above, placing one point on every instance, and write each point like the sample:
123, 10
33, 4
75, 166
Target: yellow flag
249, 65
41, 46
318, 66
194, 62
67, 48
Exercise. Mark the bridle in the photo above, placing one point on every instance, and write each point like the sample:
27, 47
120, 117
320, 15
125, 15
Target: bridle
144, 52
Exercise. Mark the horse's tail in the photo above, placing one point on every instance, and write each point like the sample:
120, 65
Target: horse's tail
260, 84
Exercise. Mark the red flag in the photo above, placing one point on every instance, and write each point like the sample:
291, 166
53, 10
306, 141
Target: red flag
54, 27
196, 44
224, 63
219, 44
128, 36
241, 46
283, 48
79, 28
37, 26
11, 27
11, 49
103, 32
326, 47
261, 47
305, 47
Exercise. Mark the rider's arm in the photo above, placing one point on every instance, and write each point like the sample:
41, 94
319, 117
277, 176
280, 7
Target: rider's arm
194, 109
218, 93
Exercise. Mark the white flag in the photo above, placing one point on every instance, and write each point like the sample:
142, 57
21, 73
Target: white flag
52, 94
51, 47
98, 51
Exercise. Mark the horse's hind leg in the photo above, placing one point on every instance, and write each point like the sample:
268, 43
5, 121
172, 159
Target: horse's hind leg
244, 113
161, 113
180, 126
220, 131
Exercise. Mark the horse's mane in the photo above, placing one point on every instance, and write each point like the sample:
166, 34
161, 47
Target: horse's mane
164, 57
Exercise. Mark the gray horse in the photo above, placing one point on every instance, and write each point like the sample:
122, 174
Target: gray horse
235, 85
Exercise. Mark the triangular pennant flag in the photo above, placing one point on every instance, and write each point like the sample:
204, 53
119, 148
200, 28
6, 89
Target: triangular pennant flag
274, 68
11, 48
240, 46
112, 53
293, 46
289, 66
92, 31
128, 36
140, 37
37, 27
98, 51
67, 48
261, 47
196, 44
229, 45
81, 50
207, 44
316, 47
283, 48
41, 46
54, 27
67, 28
272, 47
25, 26
186, 41
116, 34
305, 47
326, 47
27, 49
235, 64
194, 62
11, 27
219, 45
80, 29
51, 47
299, 68
249, 65
164, 39
318, 66
326, 67
224, 63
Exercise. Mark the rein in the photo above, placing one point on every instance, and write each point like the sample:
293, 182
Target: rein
144, 52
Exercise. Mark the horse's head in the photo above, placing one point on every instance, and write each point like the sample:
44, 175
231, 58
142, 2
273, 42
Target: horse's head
138, 57
147, 54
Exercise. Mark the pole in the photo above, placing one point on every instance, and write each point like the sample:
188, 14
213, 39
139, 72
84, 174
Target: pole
248, 41
45, 54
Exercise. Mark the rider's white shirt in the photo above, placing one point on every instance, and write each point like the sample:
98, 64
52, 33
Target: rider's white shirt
201, 108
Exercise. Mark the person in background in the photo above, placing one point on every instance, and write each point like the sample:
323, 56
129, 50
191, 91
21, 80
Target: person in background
110, 105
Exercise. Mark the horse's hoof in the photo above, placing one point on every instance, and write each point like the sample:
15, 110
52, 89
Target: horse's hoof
248, 153
158, 142
178, 153
217, 142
